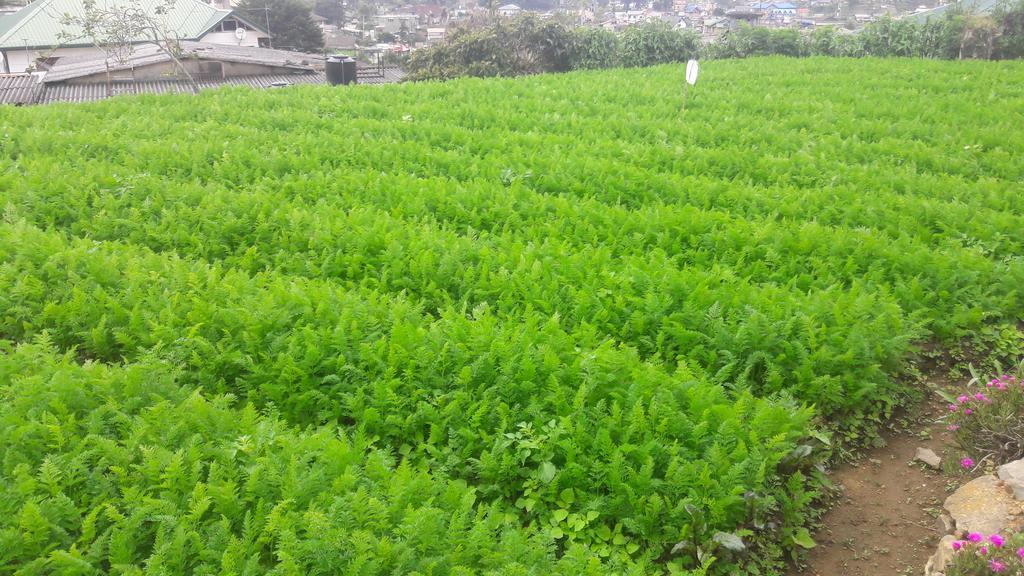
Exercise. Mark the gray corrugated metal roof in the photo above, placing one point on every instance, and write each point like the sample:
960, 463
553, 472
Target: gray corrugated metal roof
52, 93
38, 25
19, 89
149, 54
90, 92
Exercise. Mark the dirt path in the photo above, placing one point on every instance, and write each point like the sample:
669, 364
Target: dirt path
885, 522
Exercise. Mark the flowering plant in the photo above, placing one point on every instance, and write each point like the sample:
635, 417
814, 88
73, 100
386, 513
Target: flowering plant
988, 421
980, 555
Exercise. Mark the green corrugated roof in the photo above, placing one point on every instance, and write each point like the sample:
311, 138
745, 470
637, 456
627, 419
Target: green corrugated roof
38, 25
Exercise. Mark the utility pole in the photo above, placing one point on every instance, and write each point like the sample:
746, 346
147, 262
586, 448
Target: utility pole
270, 36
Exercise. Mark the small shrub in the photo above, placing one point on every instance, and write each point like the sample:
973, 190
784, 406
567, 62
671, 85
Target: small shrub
595, 48
982, 556
657, 43
988, 421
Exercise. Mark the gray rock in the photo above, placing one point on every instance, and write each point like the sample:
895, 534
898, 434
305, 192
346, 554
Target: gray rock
946, 524
943, 554
1012, 475
929, 457
983, 505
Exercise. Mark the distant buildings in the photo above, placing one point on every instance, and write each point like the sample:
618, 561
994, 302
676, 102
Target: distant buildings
509, 10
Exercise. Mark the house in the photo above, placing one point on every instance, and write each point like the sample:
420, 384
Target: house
431, 14
342, 38
782, 9
629, 18
396, 23
435, 35
775, 8
509, 10
35, 35
714, 27
748, 14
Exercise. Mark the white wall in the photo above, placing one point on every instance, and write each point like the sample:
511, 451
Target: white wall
19, 60
252, 38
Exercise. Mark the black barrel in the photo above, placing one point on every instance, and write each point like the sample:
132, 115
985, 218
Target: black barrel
340, 70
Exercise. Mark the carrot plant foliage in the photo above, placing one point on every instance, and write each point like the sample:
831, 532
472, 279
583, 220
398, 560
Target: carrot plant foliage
539, 326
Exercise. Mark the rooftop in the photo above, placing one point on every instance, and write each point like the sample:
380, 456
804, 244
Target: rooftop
148, 54
24, 89
39, 25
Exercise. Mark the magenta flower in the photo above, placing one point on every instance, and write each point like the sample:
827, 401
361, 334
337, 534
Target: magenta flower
996, 540
996, 565
958, 544
984, 550
974, 536
1020, 553
968, 463
968, 411
952, 407
962, 398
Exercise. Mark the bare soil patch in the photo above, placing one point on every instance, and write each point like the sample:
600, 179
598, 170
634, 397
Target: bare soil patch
885, 522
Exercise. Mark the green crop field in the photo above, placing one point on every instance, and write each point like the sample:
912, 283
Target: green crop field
549, 325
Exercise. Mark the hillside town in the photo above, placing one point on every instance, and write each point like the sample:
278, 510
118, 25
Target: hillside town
32, 36
402, 28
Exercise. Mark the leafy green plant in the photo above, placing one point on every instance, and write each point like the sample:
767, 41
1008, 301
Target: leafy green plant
598, 339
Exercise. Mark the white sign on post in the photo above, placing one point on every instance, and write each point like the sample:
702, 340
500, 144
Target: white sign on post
240, 34
692, 69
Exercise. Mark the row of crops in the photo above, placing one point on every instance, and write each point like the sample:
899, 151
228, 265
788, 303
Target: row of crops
537, 326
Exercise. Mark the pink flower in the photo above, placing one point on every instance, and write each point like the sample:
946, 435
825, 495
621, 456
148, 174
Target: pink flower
996, 565
968, 463
952, 407
984, 550
953, 427
958, 544
996, 540
962, 398
974, 536
1020, 553
968, 411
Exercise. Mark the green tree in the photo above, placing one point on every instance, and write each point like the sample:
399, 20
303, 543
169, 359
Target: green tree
333, 10
656, 42
290, 23
1010, 43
